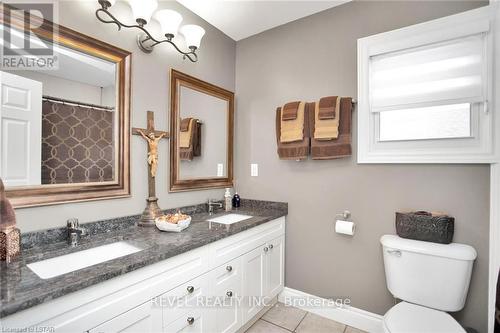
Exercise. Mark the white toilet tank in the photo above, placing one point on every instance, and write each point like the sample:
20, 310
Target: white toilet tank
429, 274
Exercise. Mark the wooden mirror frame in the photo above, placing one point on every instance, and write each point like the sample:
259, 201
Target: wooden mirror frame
178, 79
40, 195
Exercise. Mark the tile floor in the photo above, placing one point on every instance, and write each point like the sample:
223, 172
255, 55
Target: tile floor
286, 319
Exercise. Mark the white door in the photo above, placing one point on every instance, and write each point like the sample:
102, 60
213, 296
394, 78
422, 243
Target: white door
226, 289
20, 130
142, 319
253, 282
275, 266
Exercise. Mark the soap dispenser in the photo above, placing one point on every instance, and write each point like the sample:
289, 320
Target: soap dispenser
236, 200
227, 200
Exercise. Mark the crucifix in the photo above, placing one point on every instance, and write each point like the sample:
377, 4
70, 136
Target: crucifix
152, 137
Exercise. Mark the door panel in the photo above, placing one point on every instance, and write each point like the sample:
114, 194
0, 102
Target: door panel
275, 266
20, 130
253, 282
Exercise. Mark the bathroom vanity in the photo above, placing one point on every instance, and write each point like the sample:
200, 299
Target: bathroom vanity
212, 277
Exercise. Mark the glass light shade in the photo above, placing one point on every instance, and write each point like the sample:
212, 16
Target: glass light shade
111, 2
169, 21
143, 9
192, 34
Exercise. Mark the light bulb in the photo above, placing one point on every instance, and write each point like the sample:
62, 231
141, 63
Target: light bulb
192, 34
169, 21
143, 10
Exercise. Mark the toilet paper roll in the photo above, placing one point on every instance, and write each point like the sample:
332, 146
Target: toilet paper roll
345, 227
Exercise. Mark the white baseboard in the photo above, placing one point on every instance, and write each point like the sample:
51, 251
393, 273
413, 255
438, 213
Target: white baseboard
348, 315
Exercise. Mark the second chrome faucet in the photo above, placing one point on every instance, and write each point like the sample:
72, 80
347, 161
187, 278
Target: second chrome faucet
211, 205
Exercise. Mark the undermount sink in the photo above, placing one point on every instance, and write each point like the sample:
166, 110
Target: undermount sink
52, 267
230, 218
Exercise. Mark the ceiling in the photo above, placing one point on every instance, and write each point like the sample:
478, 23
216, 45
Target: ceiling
240, 19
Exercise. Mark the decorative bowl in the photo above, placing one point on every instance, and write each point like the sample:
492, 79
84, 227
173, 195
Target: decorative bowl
163, 225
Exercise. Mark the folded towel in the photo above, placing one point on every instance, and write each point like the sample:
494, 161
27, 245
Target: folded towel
293, 130
297, 150
335, 148
185, 136
290, 111
185, 124
327, 107
327, 129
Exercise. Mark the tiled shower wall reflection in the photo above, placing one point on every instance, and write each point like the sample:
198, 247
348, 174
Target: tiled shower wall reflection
77, 144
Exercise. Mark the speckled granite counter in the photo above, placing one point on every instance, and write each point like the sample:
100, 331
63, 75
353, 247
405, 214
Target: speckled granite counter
20, 288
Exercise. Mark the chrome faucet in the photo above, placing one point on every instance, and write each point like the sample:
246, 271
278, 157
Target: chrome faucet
74, 231
211, 204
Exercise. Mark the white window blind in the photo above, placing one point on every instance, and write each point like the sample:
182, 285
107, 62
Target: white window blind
444, 73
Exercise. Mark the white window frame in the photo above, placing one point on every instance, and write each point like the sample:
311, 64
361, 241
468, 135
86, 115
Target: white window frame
478, 149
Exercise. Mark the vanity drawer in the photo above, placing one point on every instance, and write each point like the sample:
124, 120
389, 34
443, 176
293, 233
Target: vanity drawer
194, 322
227, 249
143, 318
226, 288
183, 300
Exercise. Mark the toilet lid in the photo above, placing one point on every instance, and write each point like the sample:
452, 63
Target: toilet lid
410, 318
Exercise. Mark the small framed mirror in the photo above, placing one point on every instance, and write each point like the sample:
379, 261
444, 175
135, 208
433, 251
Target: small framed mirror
201, 129
64, 128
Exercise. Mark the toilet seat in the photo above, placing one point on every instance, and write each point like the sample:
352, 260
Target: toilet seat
410, 318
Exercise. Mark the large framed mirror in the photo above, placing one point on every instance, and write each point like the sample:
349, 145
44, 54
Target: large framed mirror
201, 134
65, 128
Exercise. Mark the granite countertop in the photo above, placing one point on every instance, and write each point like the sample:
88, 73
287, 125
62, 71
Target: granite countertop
21, 289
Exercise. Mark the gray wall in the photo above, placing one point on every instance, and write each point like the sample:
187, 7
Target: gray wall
315, 57
150, 91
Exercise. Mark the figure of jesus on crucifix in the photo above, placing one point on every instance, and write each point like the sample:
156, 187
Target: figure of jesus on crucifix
153, 137
153, 149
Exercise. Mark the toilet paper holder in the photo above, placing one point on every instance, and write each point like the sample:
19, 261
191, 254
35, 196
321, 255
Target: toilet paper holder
345, 215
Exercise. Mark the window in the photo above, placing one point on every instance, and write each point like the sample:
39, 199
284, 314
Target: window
434, 122
423, 92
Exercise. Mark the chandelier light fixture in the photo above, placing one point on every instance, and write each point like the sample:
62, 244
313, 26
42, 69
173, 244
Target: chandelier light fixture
169, 20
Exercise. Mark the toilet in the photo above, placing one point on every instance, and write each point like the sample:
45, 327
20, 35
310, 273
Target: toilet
430, 279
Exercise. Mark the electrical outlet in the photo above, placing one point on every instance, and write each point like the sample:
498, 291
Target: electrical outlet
220, 169
254, 170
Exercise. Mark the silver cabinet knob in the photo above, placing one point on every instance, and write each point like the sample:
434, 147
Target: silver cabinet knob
266, 249
190, 320
271, 246
229, 293
190, 289
229, 268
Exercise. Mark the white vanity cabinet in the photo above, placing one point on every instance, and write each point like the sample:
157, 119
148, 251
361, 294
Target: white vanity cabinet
203, 290
263, 276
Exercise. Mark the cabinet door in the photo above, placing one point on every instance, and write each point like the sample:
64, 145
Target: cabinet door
275, 265
144, 318
225, 291
253, 282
